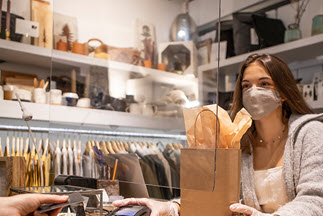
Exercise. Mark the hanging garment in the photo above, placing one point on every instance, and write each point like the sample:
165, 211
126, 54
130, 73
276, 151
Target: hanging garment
58, 163
65, 160
70, 157
76, 167
150, 180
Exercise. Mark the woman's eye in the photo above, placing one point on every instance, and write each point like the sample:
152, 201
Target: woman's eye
265, 84
245, 86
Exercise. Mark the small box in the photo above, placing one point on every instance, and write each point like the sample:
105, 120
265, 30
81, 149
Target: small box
180, 57
12, 173
308, 92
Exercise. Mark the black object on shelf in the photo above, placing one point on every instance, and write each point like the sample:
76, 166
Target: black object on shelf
226, 34
13, 35
270, 31
76, 181
242, 25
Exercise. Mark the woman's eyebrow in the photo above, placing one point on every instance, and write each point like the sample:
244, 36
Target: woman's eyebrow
264, 78
245, 81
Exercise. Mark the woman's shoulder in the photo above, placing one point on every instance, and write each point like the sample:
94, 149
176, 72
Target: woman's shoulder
304, 122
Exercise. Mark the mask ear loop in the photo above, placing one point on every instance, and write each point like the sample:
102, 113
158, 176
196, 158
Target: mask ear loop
216, 137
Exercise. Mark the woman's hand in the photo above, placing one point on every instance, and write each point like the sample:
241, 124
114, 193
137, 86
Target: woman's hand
157, 208
246, 210
26, 204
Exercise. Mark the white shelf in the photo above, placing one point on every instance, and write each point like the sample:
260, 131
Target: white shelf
26, 54
81, 116
316, 105
300, 50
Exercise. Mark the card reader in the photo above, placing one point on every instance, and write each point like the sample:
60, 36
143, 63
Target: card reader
131, 210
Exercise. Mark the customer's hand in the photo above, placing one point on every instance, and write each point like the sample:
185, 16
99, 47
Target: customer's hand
26, 204
157, 208
246, 210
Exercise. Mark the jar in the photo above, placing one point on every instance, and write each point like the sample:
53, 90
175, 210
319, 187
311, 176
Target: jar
292, 33
317, 25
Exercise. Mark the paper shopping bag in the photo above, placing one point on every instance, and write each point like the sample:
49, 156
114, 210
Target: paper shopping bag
205, 190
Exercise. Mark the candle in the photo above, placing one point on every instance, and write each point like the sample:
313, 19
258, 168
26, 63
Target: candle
8, 21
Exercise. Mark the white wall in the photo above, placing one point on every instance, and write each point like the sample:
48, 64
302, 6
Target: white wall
113, 21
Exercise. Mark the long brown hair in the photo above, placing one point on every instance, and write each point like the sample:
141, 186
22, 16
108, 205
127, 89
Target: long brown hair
285, 84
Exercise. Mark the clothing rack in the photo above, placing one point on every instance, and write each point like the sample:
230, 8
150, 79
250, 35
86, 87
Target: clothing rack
94, 132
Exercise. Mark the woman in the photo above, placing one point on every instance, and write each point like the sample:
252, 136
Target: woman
282, 160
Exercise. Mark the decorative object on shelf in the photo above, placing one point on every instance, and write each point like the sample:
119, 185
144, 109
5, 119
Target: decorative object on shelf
146, 40
317, 24
13, 20
39, 96
42, 13
98, 47
126, 55
162, 66
148, 63
84, 103
8, 21
293, 32
61, 45
70, 99
77, 48
308, 92
204, 51
8, 91
183, 27
55, 96
180, 57
65, 29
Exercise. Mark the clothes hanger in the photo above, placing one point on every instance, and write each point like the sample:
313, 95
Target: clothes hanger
88, 147
18, 146
103, 147
79, 152
132, 148
115, 147
40, 144
7, 151
1, 153
13, 146
21, 146
46, 147
109, 146
126, 146
169, 146
26, 147
120, 146
97, 144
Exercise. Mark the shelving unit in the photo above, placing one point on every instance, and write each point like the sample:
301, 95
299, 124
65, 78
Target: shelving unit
34, 56
82, 116
300, 50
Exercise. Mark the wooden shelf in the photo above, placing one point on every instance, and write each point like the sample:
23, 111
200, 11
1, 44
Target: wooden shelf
83, 117
300, 50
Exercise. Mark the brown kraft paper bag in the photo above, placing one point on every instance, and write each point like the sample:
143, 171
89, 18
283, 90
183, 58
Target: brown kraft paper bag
210, 176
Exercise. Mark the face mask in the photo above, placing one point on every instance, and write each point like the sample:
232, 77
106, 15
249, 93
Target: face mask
260, 102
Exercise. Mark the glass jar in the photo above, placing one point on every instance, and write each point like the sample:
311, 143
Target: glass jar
292, 33
317, 25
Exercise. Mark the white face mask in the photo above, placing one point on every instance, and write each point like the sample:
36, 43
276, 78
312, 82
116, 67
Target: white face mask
260, 102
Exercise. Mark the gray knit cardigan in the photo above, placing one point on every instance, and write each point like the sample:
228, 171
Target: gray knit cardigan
302, 169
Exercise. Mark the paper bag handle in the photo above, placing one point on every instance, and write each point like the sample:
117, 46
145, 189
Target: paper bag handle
216, 138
